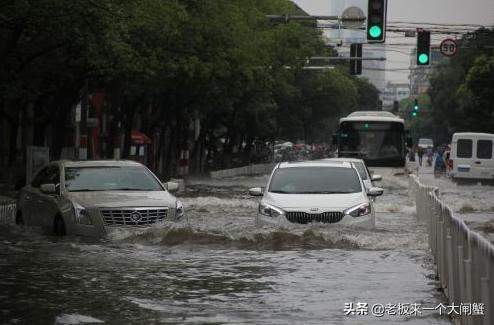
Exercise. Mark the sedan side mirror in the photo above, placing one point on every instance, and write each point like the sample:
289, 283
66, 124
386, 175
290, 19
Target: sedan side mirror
48, 188
375, 191
171, 187
256, 191
376, 178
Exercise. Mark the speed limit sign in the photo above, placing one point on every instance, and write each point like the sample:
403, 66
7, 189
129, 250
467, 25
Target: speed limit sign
449, 47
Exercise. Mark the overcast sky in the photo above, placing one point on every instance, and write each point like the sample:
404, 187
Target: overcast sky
428, 11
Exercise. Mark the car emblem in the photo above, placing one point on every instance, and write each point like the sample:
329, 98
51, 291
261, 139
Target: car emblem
135, 216
314, 209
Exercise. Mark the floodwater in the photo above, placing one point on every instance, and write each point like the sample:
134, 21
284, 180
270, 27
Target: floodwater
471, 201
216, 267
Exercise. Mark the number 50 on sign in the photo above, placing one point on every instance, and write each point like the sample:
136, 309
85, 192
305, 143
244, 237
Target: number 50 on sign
449, 47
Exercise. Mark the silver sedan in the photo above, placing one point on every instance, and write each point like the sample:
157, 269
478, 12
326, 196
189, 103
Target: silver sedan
95, 197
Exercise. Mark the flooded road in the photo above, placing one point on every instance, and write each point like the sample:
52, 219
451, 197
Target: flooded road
216, 267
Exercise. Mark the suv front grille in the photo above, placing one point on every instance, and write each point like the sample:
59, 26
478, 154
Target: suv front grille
133, 217
304, 217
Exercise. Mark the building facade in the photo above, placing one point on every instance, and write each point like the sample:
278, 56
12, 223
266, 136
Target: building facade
419, 75
395, 91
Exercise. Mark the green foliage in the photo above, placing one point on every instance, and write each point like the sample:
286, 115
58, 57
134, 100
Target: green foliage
169, 61
461, 91
422, 124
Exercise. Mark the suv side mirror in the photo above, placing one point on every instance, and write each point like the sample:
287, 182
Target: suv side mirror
375, 191
376, 178
256, 191
171, 187
48, 188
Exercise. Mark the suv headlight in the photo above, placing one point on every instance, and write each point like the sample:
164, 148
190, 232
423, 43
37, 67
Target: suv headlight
179, 209
359, 210
81, 215
270, 210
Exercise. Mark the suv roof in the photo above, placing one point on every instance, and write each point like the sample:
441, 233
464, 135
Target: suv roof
97, 163
315, 163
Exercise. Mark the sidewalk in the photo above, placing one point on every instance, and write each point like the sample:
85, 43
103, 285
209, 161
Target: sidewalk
473, 203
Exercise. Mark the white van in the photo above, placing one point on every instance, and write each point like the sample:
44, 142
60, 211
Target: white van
472, 155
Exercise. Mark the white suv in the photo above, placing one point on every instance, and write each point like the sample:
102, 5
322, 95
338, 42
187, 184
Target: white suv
94, 197
306, 192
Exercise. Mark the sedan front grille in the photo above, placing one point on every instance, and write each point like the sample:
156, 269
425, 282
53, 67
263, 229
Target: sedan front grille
133, 217
304, 217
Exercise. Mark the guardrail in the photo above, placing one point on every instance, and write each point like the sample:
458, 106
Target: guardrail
7, 212
259, 169
464, 259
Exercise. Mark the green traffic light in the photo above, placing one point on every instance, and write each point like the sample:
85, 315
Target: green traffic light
375, 31
366, 125
414, 114
423, 58
416, 108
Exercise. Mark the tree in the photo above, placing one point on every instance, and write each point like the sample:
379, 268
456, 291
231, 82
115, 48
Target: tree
460, 90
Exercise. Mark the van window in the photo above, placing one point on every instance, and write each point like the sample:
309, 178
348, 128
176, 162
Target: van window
484, 149
464, 148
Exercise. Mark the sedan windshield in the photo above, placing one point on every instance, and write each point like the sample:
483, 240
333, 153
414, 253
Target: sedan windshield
113, 178
315, 180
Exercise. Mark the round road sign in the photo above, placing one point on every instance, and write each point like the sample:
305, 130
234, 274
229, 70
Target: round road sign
449, 47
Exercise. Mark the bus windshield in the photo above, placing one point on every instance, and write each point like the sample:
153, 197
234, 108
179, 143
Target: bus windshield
371, 140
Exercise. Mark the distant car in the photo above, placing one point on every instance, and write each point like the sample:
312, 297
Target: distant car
425, 143
361, 168
95, 197
316, 191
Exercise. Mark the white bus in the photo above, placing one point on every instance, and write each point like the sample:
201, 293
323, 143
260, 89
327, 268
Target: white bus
378, 137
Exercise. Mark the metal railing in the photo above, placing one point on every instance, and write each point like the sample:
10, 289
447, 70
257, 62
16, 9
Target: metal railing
7, 212
464, 259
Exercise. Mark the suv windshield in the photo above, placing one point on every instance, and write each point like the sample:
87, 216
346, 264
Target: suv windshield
361, 170
125, 178
315, 180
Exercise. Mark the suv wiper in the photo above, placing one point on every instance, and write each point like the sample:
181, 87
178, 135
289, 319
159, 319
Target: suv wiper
282, 192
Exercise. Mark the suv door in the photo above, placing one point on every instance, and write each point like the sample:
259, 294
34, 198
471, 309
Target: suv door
484, 164
47, 204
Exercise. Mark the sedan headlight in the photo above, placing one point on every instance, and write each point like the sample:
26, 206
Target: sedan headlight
179, 209
270, 210
81, 215
359, 210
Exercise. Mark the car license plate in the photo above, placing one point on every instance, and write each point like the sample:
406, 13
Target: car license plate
463, 169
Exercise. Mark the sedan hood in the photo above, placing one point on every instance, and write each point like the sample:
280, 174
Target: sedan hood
118, 199
324, 201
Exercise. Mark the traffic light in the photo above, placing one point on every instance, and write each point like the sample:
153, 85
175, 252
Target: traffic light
423, 47
376, 21
355, 65
416, 108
